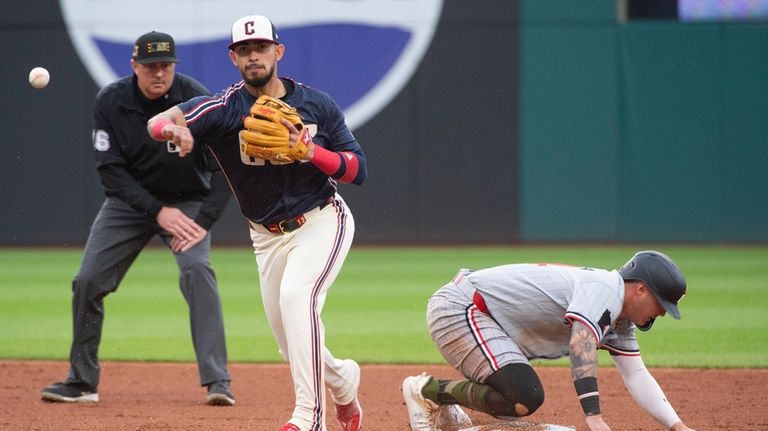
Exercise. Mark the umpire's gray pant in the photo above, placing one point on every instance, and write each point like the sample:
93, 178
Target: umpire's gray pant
117, 236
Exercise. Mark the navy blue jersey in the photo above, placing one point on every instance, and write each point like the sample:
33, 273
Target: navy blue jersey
267, 191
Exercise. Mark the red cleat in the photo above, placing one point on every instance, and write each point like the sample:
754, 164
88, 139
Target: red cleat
288, 427
350, 415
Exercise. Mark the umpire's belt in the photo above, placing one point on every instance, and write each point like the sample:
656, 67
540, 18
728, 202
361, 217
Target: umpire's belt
479, 302
294, 223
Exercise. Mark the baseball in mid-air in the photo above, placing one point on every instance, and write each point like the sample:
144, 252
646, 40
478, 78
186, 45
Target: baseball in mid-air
39, 77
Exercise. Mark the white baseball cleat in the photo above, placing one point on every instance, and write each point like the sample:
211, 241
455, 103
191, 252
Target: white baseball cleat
422, 413
452, 417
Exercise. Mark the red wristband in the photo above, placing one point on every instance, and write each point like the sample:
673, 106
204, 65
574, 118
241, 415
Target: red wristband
325, 160
157, 128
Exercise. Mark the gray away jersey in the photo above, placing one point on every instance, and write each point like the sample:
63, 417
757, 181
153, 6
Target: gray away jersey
536, 303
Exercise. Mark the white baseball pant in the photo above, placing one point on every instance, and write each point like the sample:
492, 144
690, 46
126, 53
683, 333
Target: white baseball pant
296, 270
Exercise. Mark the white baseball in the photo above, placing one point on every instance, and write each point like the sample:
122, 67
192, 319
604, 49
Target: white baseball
39, 77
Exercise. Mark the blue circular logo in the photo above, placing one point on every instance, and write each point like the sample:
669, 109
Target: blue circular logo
362, 52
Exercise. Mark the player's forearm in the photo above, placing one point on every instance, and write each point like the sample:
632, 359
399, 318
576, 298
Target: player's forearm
583, 355
649, 396
646, 392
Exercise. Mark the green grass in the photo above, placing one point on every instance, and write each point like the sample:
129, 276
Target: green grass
375, 312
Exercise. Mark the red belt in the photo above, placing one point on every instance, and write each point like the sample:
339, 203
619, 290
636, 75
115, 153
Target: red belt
479, 302
294, 223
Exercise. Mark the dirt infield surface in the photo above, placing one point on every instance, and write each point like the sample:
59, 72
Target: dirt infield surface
166, 396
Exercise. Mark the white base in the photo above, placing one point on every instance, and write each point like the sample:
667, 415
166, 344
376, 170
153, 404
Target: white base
519, 425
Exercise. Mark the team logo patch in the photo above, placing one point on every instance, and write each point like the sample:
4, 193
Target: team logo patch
605, 321
362, 52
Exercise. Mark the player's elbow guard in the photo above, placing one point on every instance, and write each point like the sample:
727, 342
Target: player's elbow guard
362, 171
344, 166
351, 169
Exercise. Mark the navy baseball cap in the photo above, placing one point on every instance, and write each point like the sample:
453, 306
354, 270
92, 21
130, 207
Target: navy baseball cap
253, 27
154, 47
662, 276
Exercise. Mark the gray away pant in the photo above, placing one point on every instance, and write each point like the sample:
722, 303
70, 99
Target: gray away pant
117, 236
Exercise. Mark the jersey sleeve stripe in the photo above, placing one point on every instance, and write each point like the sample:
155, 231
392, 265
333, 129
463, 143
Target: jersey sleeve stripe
620, 352
207, 104
579, 318
199, 110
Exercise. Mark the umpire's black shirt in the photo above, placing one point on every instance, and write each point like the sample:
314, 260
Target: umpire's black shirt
143, 172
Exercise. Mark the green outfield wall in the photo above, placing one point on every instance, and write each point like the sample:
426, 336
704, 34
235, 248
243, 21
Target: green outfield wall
650, 130
524, 121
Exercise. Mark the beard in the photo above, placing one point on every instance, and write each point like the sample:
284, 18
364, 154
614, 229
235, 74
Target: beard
258, 82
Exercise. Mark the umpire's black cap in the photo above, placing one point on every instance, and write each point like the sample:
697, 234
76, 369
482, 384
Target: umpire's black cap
661, 275
154, 47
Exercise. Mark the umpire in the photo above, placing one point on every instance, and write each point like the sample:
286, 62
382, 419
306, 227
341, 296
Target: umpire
149, 191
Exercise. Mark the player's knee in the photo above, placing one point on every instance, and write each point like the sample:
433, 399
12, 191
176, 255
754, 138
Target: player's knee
518, 406
520, 389
531, 402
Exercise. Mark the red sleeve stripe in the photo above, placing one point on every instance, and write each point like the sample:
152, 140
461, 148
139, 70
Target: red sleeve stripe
200, 110
209, 103
620, 352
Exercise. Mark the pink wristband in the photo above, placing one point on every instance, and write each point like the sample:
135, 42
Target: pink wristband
157, 128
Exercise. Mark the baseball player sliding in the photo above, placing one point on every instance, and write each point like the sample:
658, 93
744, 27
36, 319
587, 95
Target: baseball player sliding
489, 324
283, 147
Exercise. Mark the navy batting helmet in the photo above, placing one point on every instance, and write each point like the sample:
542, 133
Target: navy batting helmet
661, 275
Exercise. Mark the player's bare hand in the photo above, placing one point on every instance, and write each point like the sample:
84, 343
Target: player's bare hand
181, 137
292, 130
175, 222
596, 423
295, 135
680, 427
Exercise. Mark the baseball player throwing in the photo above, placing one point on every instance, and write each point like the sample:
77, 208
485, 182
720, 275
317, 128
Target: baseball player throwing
489, 324
300, 227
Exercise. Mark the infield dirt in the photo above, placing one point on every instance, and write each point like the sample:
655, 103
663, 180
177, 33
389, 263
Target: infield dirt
167, 396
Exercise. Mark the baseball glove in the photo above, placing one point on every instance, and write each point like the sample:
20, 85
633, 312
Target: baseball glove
265, 137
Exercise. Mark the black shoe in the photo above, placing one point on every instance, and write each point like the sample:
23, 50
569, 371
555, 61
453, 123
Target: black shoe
69, 393
219, 394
